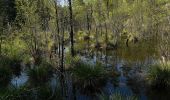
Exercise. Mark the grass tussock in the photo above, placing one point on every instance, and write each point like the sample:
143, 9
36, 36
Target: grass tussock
40, 74
159, 76
89, 78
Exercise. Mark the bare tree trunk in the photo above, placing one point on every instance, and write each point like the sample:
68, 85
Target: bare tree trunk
57, 36
88, 29
62, 48
0, 44
1, 32
106, 35
71, 27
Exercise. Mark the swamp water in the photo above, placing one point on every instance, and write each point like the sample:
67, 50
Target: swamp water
130, 63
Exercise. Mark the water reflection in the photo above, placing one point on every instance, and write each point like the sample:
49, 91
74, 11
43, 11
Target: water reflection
20, 80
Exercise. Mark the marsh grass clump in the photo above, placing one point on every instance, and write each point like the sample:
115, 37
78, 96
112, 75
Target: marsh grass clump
40, 74
159, 76
89, 78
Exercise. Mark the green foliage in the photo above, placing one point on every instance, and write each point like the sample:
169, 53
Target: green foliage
159, 76
16, 50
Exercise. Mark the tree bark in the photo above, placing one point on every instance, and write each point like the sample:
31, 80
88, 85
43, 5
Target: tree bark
57, 36
71, 27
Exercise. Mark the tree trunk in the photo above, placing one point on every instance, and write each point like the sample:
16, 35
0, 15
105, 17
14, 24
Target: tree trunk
62, 48
71, 28
57, 36
0, 44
